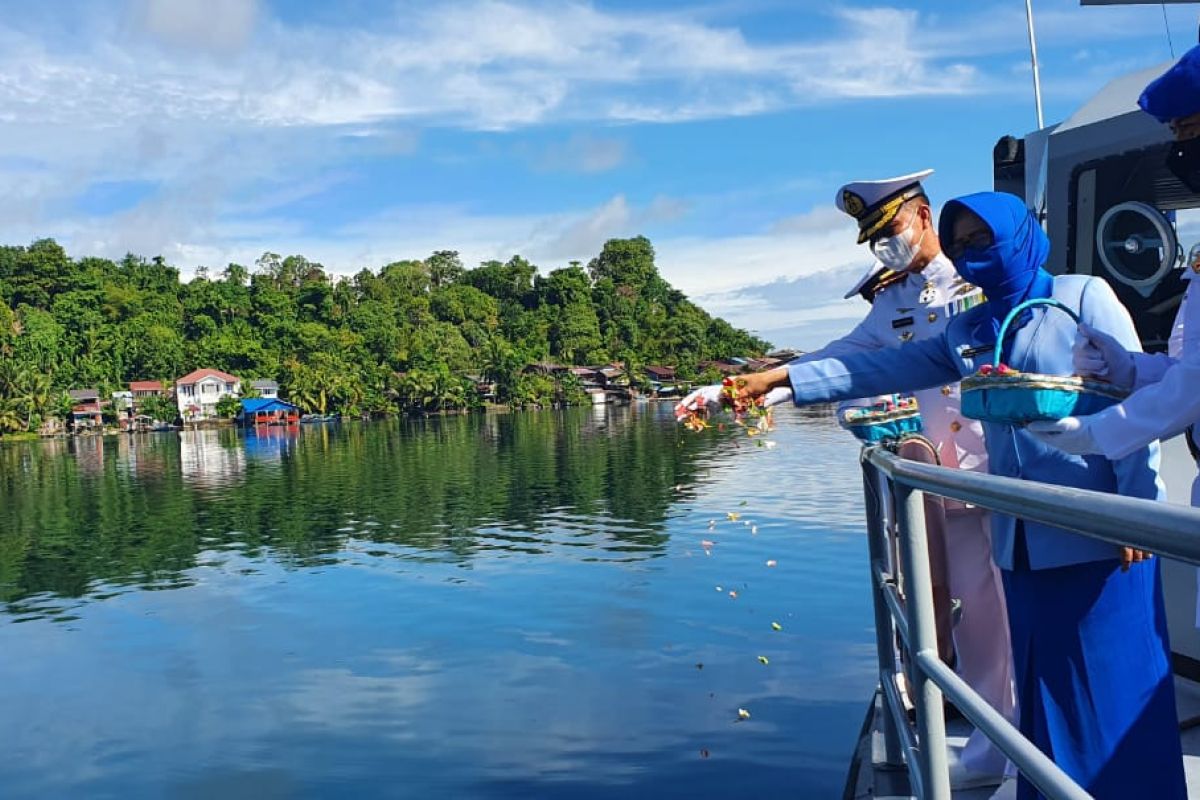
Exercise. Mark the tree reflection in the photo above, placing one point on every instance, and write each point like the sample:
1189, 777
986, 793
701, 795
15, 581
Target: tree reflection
81, 519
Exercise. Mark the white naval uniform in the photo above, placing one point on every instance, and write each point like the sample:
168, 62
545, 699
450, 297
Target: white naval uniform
919, 307
1166, 400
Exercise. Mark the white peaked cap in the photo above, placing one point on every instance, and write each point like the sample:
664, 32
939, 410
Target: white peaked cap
875, 203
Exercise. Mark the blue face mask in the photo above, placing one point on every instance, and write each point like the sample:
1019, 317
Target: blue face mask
985, 268
1010, 270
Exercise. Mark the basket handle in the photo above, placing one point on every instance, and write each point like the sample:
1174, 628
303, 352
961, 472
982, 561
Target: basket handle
1017, 311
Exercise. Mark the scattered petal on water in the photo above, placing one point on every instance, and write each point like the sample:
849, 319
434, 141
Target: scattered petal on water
763, 660
746, 523
733, 516
775, 626
767, 445
705, 543
771, 562
743, 714
719, 589
733, 594
753, 530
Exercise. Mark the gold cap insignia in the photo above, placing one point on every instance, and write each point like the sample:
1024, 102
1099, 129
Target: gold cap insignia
853, 204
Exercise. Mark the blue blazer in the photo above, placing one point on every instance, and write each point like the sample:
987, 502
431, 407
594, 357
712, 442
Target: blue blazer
1042, 345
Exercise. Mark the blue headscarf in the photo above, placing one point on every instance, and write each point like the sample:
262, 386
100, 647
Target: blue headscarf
1010, 271
1175, 93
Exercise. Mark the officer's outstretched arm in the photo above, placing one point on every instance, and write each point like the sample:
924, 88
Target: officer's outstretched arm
909, 367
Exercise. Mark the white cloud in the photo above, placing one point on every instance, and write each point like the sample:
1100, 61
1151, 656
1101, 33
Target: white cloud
712, 266
485, 64
583, 152
217, 25
218, 103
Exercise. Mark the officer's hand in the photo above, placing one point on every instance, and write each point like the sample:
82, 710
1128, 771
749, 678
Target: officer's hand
1069, 434
706, 398
1095, 354
758, 384
1132, 556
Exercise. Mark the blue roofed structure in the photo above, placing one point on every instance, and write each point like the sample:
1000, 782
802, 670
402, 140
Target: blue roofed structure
268, 411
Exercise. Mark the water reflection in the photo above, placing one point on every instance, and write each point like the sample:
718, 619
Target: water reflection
207, 459
138, 509
489, 606
270, 443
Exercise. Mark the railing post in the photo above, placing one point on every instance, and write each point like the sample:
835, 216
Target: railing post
918, 585
885, 632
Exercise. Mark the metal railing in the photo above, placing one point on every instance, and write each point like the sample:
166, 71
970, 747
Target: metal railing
1161, 528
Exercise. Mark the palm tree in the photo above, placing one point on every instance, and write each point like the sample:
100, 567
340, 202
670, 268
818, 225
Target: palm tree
10, 416
304, 394
418, 389
33, 393
9, 376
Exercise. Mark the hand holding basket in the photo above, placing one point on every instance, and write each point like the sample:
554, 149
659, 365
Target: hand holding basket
997, 393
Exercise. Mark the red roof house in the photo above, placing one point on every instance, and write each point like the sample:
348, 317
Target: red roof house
198, 392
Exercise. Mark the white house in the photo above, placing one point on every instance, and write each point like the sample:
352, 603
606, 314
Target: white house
267, 390
197, 393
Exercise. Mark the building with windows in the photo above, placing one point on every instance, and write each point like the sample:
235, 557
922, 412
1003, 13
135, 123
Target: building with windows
198, 393
268, 390
267, 411
86, 414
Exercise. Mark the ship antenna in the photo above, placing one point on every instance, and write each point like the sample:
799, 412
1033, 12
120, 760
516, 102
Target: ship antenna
1167, 25
1037, 80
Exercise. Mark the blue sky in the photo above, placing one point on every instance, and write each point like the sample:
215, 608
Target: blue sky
362, 132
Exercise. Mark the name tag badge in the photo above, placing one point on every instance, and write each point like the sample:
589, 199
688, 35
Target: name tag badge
971, 352
902, 322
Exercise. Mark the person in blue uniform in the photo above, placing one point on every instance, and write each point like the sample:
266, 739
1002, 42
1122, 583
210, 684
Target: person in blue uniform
1165, 401
1088, 627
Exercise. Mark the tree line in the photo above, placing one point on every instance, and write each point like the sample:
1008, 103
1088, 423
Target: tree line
414, 336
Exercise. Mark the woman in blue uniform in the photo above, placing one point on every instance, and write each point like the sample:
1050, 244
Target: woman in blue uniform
1088, 627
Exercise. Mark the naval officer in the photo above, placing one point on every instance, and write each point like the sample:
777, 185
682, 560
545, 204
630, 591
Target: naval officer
914, 448
916, 299
1166, 400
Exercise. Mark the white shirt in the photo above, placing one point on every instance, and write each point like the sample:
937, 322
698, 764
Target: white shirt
920, 307
1166, 400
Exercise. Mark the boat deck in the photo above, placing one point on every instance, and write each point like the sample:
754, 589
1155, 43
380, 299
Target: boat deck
868, 780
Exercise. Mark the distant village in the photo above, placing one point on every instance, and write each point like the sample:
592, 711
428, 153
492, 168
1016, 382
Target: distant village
210, 397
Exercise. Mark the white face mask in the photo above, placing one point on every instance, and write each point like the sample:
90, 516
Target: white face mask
897, 253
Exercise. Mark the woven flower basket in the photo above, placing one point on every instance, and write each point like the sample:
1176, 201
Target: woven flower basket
883, 421
997, 393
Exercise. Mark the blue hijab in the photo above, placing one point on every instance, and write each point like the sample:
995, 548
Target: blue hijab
1010, 271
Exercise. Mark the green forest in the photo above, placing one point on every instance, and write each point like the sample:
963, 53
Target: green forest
414, 336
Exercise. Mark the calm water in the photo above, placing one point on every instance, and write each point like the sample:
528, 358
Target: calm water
489, 606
